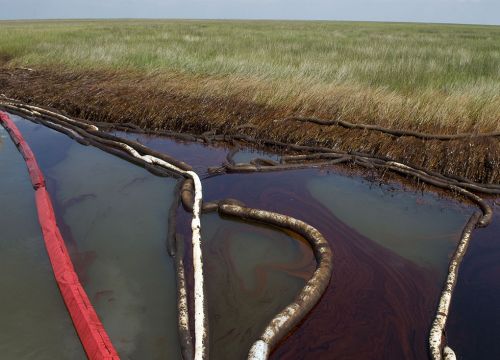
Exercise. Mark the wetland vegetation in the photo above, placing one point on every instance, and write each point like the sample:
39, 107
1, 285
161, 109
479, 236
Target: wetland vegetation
203, 76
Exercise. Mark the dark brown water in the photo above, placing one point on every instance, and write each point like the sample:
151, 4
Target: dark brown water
113, 215
380, 303
475, 314
391, 249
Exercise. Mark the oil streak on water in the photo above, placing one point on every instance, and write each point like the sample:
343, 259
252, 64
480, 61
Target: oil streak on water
391, 249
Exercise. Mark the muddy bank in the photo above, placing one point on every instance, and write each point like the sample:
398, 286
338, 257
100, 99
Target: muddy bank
129, 98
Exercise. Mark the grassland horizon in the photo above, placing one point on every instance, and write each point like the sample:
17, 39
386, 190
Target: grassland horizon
199, 75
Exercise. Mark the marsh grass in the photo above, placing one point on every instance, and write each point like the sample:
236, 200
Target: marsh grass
443, 78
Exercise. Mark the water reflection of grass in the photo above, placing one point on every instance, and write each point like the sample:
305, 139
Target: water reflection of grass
403, 75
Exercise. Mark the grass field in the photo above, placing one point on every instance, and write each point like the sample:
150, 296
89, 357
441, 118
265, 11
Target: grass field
198, 76
428, 77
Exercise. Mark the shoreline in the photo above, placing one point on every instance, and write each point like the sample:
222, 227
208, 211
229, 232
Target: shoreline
99, 97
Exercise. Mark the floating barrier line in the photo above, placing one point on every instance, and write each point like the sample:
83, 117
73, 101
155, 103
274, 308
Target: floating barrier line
148, 158
88, 326
283, 322
439, 350
389, 131
191, 199
291, 316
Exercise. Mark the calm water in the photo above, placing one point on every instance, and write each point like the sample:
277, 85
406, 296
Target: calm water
383, 295
419, 227
391, 249
113, 217
34, 320
252, 272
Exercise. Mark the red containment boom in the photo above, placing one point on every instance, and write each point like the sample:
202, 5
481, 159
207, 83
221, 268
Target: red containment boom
90, 330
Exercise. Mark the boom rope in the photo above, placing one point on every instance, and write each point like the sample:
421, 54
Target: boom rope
316, 152
283, 322
437, 346
438, 349
291, 316
454, 184
393, 132
230, 136
347, 125
175, 248
321, 151
366, 161
200, 319
182, 302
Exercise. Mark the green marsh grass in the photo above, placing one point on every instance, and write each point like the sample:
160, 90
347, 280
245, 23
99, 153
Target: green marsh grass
418, 76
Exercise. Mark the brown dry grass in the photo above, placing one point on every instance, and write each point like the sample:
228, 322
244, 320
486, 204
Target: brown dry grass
214, 75
178, 103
